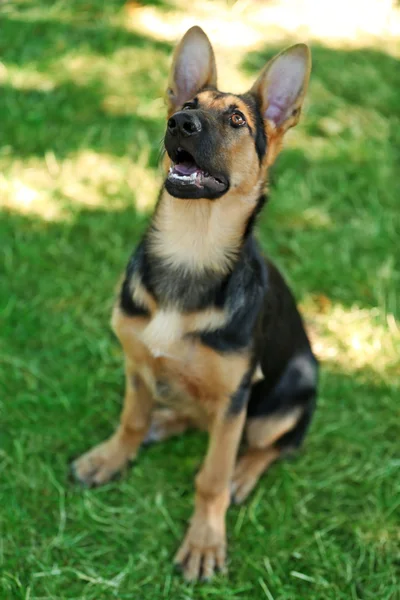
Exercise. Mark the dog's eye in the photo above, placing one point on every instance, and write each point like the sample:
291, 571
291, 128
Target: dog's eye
237, 120
188, 106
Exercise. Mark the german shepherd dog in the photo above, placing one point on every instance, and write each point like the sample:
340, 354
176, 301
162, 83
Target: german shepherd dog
210, 331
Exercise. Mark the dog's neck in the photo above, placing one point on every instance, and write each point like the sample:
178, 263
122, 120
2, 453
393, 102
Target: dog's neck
201, 235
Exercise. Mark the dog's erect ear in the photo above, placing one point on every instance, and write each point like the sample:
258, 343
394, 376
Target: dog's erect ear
282, 85
193, 67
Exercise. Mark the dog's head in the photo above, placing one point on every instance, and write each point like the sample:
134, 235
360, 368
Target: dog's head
217, 141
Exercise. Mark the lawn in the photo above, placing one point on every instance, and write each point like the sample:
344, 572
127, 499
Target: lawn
82, 119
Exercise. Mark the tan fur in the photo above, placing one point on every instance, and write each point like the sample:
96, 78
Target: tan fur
172, 324
200, 381
204, 547
163, 332
141, 296
166, 366
193, 371
200, 234
205, 320
166, 423
205, 540
203, 234
262, 432
249, 469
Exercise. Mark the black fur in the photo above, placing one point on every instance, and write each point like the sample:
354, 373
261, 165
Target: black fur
260, 138
240, 397
262, 316
174, 286
127, 304
253, 217
243, 297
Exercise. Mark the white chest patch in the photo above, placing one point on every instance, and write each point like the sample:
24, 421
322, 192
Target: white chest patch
163, 332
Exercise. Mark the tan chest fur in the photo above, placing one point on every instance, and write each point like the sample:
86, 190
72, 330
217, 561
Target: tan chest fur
178, 369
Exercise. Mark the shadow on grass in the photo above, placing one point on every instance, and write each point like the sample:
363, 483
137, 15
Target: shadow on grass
65, 115
365, 77
40, 42
350, 185
58, 279
334, 191
57, 287
90, 8
70, 118
333, 516
356, 83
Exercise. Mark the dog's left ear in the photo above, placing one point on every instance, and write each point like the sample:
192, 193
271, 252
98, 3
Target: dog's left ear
282, 86
193, 68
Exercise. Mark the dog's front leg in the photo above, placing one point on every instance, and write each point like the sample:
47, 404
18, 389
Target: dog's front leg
101, 463
204, 547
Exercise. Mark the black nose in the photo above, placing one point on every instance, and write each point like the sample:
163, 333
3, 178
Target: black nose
184, 123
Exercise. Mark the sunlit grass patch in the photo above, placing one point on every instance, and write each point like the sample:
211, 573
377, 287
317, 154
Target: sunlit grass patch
353, 339
354, 131
55, 190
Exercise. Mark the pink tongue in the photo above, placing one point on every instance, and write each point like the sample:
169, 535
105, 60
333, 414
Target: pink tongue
185, 168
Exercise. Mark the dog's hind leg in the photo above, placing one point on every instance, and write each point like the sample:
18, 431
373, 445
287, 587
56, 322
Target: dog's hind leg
248, 471
166, 423
263, 434
276, 423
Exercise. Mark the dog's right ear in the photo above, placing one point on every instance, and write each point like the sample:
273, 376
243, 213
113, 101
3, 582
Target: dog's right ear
282, 86
193, 68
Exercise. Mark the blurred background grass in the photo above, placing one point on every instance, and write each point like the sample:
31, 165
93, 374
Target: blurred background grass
82, 117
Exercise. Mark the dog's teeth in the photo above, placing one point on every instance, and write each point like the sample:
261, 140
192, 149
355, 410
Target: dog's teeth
198, 179
183, 178
180, 177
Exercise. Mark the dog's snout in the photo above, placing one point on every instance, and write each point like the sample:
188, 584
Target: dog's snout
185, 124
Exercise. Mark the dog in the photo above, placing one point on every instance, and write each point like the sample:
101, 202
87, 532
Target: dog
210, 331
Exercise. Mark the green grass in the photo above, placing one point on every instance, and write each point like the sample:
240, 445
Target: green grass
81, 124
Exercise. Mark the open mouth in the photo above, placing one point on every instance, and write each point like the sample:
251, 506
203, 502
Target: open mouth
186, 173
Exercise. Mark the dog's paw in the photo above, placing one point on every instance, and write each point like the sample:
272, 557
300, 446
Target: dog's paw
202, 553
101, 463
